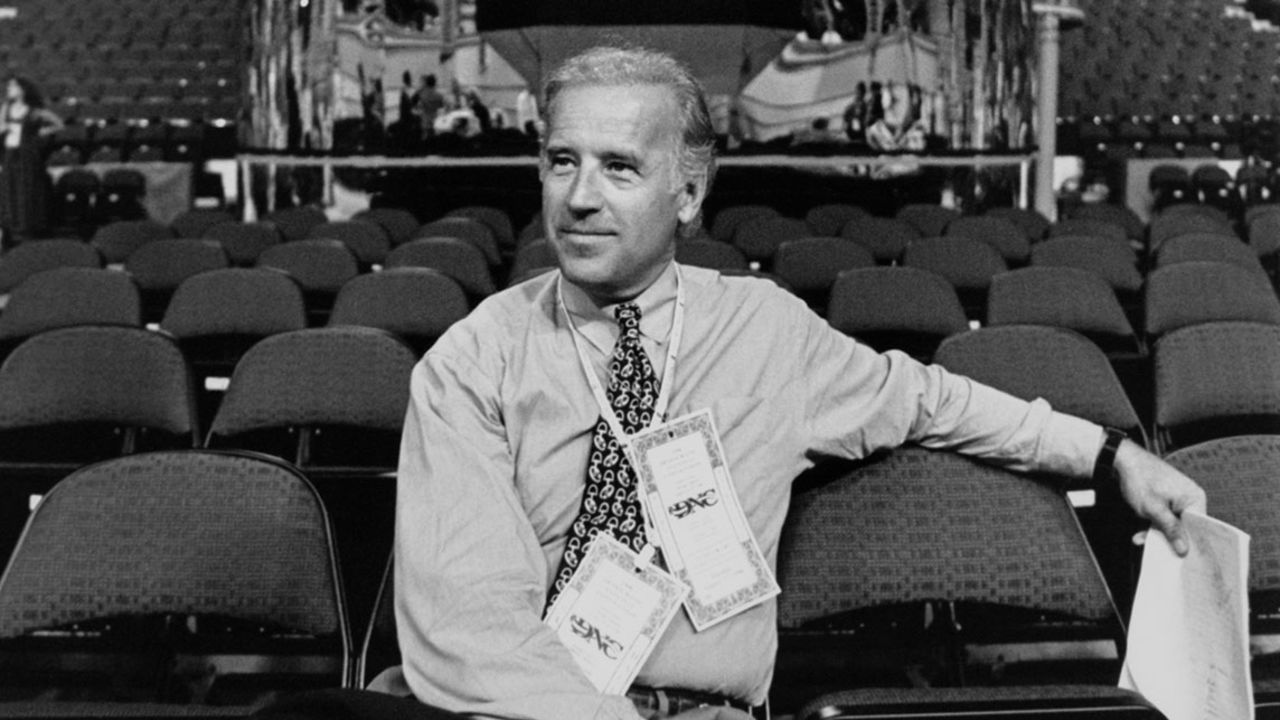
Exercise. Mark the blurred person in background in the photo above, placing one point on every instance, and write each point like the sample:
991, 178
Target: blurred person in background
25, 189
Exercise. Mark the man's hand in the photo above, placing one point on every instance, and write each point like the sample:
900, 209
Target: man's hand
1157, 491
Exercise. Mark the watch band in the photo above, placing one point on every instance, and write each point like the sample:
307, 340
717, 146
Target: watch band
1104, 466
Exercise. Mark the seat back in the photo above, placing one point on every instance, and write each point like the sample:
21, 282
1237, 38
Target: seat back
1217, 379
201, 560
539, 254
118, 377
254, 302
1214, 247
829, 219
319, 266
417, 304
929, 220
1033, 225
1114, 262
496, 219
1189, 293
811, 265
27, 259
726, 221
69, 296
364, 238
164, 265
1120, 215
759, 237
334, 378
902, 308
399, 224
117, 240
469, 230
1168, 225
1001, 234
886, 238
244, 242
456, 258
195, 222
1061, 297
295, 222
1032, 361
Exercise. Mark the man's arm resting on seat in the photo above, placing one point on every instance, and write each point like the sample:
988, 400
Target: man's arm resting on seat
1157, 491
470, 574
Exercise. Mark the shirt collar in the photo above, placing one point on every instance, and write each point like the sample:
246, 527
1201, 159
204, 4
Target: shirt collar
600, 327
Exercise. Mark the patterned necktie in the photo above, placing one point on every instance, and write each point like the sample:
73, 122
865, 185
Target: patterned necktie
609, 502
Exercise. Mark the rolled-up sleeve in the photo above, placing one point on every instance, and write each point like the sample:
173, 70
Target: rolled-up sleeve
469, 572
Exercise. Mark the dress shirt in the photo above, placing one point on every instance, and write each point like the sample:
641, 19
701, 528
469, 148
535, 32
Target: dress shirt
494, 455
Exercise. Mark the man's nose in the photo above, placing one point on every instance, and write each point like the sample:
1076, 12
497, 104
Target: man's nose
584, 193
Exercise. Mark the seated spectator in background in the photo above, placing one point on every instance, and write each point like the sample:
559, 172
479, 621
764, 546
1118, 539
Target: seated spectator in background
484, 124
25, 189
898, 128
513, 462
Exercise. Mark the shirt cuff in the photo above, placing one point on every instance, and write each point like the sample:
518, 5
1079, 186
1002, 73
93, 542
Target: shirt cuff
1070, 445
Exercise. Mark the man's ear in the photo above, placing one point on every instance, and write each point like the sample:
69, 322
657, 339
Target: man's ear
691, 194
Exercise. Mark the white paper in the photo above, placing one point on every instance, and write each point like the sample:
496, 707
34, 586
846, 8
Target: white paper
1188, 649
612, 612
690, 500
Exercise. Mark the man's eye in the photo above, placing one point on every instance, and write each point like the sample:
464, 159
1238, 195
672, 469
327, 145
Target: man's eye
619, 167
560, 161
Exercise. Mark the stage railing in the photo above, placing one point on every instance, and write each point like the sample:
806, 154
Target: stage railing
828, 163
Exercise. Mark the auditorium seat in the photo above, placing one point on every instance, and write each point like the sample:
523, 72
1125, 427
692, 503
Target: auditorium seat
1240, 477
294, 222
327, 399
759, 237
967, 264
416, 304
1030, 221
928, 220
321, 267
120, 197
1188, 293
1263, 233
1114, 262
829, 219
1063, 297
364, 238
1215, 380
1172, 224
172, 584
117, 240
217, 316
244, 242
456, 258
1034, 361
920, 567
69, 296
886, 238
160, 267
496, 219
539, 255
195, 222
1089, 227
900, 308
1169, 184
1192, 247
708, 253
399, 224
1120, 215
1007, 239
725, 222
333, 400
22, 261
811, 265
468, 230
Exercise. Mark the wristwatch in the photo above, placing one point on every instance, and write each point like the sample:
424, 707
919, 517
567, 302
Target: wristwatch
1105, 466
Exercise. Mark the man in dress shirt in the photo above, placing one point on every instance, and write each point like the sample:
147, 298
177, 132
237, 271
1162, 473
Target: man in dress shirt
496, 438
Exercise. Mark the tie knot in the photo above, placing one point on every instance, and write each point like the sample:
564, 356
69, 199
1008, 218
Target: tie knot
628, 315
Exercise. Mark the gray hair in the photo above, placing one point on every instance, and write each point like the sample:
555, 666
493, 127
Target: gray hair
695, 149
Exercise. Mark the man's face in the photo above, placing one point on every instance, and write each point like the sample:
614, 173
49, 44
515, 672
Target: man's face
611, 193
